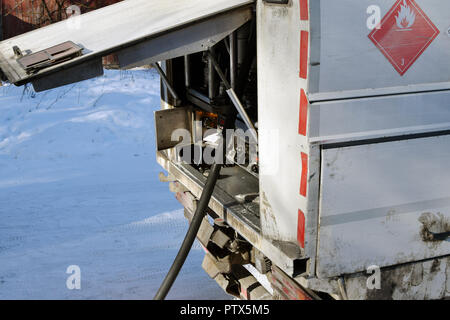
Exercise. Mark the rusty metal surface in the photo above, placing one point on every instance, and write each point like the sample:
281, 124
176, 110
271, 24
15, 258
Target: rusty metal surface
423, 280
287, 288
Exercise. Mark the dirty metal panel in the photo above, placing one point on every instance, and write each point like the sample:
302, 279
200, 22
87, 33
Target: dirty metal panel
382, 204
167, 122
346, 63
423, 280
110, 29
280, 144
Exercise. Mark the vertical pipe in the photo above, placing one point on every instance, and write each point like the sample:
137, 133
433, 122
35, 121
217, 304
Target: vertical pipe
242, 39
187, 71
233, 60
211, 77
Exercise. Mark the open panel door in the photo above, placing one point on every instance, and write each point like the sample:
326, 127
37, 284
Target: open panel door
139, 31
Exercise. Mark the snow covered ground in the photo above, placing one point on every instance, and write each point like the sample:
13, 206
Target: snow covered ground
79, 186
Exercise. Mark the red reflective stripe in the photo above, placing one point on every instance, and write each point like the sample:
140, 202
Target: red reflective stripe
304, 42
301, 228
301, 295
304, 179
303, 122
304, 15
244, 293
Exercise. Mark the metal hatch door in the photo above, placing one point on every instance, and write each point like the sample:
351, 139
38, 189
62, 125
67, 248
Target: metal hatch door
384, 204
139, 31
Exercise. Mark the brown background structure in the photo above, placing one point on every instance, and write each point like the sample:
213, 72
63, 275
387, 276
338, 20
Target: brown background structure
19, 16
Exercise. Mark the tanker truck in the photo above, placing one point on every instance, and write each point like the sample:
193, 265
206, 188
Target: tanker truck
307, 140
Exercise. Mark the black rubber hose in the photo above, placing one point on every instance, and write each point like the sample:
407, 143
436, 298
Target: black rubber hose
191, 233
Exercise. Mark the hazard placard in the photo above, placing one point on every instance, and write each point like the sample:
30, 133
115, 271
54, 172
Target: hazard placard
404, 34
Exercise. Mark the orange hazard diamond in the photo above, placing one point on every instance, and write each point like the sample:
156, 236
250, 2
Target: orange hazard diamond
404, 34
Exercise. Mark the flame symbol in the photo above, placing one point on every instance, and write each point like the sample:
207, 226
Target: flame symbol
406, 17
